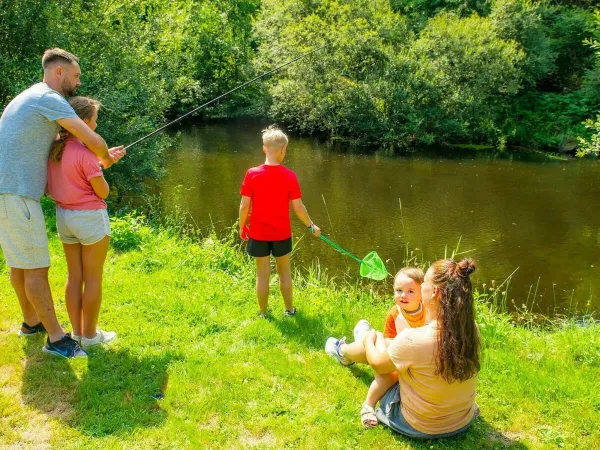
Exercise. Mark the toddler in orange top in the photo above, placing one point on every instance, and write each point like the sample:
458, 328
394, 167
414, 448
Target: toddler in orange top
408, 312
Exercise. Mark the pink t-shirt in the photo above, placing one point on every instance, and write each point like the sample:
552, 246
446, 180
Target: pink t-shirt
69, 180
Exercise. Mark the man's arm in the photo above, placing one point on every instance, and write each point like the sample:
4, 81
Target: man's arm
92, 140
244, 208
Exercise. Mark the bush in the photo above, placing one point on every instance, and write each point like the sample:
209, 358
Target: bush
128, 232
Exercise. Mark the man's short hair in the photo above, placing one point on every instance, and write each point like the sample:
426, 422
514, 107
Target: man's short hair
274, 138
57, 55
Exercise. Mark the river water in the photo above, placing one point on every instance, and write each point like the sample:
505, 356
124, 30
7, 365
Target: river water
509, 211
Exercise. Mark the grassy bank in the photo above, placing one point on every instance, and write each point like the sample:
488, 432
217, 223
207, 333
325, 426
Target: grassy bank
186, 316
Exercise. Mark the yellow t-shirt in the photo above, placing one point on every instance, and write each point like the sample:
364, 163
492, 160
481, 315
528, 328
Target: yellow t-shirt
429, 403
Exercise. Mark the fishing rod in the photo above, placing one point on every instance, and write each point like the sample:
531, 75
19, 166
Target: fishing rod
304, 55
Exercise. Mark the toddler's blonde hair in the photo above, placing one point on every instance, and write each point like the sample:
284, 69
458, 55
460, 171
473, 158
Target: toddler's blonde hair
273, 138
414, 273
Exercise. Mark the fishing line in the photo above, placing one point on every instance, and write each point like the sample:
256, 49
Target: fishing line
304, 55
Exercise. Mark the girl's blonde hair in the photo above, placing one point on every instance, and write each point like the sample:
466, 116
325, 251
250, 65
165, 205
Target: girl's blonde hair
414, 273
85, 108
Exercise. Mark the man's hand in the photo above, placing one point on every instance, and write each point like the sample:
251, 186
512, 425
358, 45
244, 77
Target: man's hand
316, 231
114, 155
117, 153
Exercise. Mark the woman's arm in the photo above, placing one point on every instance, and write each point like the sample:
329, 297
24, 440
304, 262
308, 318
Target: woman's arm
379, 360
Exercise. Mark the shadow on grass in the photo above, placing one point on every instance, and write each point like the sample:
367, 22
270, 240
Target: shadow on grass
481, 435
305, 330
113, 396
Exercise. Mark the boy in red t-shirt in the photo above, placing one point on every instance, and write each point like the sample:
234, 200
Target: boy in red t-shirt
267, 191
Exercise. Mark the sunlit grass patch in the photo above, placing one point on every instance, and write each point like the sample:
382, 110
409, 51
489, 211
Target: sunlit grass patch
185, 311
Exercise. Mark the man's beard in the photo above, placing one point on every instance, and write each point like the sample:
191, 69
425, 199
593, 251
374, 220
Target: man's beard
67, 88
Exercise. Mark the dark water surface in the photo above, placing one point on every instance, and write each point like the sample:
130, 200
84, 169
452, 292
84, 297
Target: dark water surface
522, 211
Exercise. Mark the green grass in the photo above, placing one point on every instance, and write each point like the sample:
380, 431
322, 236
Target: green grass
186, 316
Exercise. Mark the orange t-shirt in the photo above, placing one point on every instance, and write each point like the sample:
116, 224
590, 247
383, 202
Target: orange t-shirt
396, 322
429, 403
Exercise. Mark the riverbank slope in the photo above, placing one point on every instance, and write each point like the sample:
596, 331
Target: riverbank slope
185, 312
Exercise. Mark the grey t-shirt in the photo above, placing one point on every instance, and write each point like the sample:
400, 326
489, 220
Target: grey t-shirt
27, 129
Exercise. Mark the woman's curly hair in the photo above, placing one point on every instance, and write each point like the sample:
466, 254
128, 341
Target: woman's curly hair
458, 340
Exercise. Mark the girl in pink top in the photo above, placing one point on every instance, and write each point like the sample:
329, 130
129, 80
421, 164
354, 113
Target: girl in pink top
76, 184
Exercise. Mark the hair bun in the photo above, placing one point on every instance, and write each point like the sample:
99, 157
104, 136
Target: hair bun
465, 267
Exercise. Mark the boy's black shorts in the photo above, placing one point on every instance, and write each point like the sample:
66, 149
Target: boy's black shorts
259, 249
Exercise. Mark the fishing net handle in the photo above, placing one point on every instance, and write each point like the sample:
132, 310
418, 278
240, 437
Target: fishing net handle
340, 249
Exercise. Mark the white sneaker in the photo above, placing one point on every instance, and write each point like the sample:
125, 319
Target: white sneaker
102, 337
332, 348
76, 337
360, 329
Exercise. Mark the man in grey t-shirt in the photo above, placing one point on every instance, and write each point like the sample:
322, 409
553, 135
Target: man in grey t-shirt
28, 126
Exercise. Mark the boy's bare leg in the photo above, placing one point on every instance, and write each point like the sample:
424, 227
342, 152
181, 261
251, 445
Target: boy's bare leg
74, 288
284, 270
263, 273
37, 291
380, 386
17, 279
92, 257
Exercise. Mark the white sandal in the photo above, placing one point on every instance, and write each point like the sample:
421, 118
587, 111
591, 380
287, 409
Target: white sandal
368, 417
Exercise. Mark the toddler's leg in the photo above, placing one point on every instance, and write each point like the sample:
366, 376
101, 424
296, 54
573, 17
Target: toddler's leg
284, 271
263, 273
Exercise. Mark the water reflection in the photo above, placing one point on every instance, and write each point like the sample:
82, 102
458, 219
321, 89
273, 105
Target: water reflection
513, 209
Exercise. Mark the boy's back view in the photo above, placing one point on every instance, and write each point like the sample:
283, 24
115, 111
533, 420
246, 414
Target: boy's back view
267, 191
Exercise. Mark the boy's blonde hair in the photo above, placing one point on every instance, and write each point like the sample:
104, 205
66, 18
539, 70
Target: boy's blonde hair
414, 273
273, 138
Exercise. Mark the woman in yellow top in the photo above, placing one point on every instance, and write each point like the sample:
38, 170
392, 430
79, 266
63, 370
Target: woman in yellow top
437, 364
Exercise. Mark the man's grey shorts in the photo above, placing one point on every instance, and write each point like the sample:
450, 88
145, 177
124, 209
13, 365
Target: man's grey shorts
85, 227
23, 232
389, 414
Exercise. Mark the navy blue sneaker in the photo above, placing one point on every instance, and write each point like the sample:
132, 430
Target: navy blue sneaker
31, 330
66, 347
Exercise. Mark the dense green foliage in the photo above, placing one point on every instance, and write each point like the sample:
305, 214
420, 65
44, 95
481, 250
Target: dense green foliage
406, 72
397, 72
143, 59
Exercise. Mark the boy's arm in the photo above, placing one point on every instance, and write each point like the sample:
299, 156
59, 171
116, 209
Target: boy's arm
302, 214
244, 208
100, 187
92, 140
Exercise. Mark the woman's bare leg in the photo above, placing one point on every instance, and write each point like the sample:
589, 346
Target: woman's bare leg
355, 352
380, 386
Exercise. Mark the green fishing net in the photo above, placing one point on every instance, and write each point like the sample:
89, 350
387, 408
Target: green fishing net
373, 267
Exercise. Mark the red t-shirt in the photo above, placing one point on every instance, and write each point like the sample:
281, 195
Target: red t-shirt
271, 189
